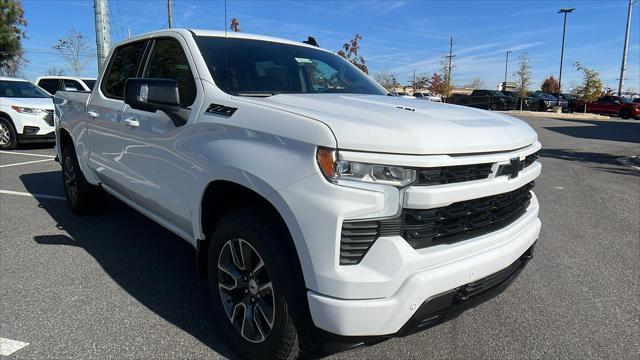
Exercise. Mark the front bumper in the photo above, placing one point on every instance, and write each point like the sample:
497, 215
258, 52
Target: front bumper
385, 316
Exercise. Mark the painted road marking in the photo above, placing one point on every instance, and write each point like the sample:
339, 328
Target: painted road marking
8, 346
27, 154
43, 196
25, 163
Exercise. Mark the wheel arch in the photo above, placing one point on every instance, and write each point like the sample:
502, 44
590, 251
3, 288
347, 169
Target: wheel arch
223, 195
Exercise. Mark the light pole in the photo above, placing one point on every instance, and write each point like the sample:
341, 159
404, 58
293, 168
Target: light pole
624, 50
564, 11
506, 66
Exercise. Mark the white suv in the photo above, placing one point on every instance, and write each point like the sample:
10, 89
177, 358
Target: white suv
26, 113
316, 203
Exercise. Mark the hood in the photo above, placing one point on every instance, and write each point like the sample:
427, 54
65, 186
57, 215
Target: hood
38, 103
395, 125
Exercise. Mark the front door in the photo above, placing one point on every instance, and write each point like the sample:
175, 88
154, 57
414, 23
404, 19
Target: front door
158, 149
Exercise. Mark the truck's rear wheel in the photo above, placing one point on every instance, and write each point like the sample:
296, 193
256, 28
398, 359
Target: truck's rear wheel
81, 196
8, 137
258, 301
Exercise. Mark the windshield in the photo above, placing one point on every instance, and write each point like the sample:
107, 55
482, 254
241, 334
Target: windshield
260, 68
495, 93
625, 100
21, 89
89, 83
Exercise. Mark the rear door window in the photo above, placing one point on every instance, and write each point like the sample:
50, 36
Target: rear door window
124, 65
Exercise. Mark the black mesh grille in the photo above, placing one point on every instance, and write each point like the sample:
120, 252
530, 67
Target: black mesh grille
463, 220
453, 174
530, 159
423, 228
48, 118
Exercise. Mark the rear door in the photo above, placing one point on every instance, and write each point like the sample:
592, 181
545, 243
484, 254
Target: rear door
105, 113
158, 149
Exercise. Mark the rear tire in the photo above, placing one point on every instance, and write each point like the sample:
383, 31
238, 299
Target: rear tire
8, 135
258, 299
625, 113
82, 197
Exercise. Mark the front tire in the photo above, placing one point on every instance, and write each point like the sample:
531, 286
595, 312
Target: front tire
8, 135
259, 299
625, 113
81, 196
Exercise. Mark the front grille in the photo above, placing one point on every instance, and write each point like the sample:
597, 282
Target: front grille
48, 118
453, 174
423, 228
463, 220
462, 173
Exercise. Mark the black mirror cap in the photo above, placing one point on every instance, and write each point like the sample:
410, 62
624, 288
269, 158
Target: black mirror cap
152, 94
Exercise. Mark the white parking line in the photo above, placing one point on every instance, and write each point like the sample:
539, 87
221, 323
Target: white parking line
25, 163
43, 196
8, 346
27, 154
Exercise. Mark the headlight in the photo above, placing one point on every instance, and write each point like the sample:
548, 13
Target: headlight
26, 110
335, 170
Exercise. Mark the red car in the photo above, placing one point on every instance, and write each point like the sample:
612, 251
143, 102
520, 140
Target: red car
611, 105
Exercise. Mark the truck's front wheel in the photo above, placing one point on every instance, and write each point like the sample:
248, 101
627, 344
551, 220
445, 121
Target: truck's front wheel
81, 196
257, 299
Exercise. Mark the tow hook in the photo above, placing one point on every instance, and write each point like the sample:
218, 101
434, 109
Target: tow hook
56, 159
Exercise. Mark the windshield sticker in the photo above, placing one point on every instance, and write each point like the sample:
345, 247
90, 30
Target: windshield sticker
303, 60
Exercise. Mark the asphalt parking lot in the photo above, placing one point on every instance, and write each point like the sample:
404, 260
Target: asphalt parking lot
116, 285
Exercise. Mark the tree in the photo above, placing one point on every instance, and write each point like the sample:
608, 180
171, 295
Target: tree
76, 50
550, 85
55, 71
12, 22
591, 87
437, 85
477, 83
235, 25
523, 76
386, 79
350, 52
420, 82
446, 75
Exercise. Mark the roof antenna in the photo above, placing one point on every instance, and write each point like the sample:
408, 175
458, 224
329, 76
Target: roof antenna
225, 18
311, 41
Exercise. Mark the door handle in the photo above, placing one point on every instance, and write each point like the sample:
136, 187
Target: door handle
92, 114
132, 122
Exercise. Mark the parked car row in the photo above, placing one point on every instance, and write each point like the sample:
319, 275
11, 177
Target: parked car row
610, 105
26, 109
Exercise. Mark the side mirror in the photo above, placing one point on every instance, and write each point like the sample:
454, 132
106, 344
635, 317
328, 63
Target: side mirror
152, 94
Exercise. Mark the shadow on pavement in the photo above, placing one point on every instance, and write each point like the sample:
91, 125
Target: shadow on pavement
605, 162
601, 130
153, 265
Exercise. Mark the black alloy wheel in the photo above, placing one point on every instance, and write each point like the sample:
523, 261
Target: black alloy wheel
246, 290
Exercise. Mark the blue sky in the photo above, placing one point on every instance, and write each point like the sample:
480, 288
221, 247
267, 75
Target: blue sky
397, 35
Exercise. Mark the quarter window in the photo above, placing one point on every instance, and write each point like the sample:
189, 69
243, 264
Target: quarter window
124, 65
51, 85
168, 61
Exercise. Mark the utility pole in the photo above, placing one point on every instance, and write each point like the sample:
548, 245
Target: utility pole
169, 14
624, 51
414, 81
450, 59
506, 66
103, 31
564, 30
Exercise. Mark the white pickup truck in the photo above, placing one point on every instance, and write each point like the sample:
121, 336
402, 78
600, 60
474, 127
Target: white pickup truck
316, 203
